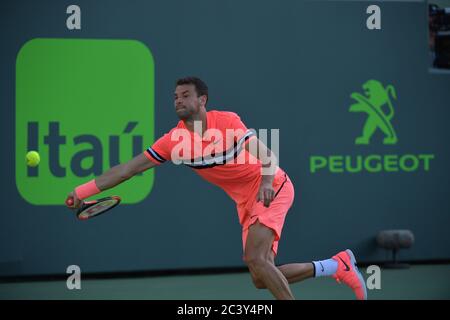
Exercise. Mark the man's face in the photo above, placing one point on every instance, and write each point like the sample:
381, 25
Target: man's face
187, 103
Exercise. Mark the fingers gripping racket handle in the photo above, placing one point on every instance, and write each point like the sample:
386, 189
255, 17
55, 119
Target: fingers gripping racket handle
69, 202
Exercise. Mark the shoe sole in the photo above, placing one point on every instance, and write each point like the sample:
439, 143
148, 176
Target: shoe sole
355, 268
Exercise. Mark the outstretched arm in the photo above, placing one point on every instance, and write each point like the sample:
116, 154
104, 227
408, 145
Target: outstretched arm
110, 178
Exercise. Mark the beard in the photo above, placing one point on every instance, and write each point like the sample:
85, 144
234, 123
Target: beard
186, 113
183, 113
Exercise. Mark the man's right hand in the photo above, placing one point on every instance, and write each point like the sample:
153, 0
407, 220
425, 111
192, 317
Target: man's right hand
72, 201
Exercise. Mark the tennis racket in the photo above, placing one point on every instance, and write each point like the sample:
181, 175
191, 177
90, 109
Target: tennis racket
94, 208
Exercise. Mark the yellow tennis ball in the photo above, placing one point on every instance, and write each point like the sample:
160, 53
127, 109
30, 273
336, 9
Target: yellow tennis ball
33, 158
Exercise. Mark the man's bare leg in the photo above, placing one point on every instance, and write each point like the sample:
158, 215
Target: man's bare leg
296, 272
293, 272
264, 272
259, 257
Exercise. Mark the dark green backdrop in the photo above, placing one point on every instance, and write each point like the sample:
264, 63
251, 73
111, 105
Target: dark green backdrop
285, 64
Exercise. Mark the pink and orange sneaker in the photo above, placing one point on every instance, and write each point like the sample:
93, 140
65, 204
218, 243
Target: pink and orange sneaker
348, 273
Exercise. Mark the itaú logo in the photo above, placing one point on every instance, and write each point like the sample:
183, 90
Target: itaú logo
85, 105
377, 104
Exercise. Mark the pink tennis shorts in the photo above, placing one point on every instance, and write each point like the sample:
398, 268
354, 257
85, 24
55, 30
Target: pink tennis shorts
272, 217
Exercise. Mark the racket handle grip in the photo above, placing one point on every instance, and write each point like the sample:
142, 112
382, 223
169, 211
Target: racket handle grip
69, 202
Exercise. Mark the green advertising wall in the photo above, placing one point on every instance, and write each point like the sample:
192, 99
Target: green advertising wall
362, 123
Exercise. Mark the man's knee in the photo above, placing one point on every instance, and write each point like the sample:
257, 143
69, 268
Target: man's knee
256, 279
258, 253
256, 265
255, 261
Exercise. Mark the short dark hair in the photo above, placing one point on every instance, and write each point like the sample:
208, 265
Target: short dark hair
200, 87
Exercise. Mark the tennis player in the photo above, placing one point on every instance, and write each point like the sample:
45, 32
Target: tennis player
218, 146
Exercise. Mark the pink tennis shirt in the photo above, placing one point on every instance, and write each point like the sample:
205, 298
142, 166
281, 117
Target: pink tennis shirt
219, 156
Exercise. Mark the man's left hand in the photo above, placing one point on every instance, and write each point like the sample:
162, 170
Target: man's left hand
266, 193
